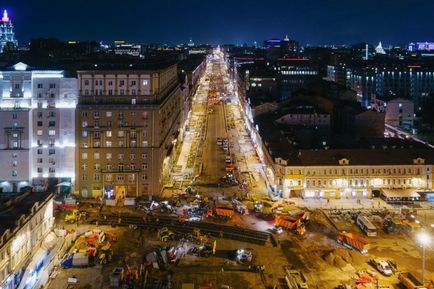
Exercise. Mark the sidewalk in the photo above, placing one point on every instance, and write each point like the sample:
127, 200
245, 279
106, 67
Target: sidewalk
342, 204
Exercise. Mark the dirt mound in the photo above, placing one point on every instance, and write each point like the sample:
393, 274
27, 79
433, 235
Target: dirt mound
341, 258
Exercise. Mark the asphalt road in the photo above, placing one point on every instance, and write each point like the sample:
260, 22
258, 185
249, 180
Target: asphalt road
213, 158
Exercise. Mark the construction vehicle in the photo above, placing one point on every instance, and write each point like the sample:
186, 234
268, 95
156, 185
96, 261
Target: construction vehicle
105, 254
352, 241
398, 226
224, 209
207, 249
75, 260
75, 216
411, 282
295, 279
291, 224
382, 266
165, 234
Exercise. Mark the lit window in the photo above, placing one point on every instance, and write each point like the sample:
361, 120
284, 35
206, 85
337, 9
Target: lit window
108, 156
96, 156
84, 124
84, 133
108, 114
51, 132
108, 133
14, 173
108, 144
84, 156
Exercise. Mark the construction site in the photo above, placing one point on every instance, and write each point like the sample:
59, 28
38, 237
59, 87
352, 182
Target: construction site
193, 241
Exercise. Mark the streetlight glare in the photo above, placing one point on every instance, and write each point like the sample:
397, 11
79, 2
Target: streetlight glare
424, 238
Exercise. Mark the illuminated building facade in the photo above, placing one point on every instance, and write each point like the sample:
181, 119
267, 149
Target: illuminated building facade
7, 33
37, 116
412, 81
421, 46
25, 241
128, 121
354, 174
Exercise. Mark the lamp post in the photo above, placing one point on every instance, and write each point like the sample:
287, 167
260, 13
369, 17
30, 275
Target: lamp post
424, 239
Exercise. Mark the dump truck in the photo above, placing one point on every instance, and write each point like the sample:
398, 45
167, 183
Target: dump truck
295, 279
224, 209
352, 241
291, 224
410, 281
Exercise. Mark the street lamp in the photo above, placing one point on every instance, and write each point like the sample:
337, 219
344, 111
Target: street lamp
425, 239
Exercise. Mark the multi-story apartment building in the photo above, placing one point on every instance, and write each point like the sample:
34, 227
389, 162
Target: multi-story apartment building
37, 127
128, 118
385, 80
23, 234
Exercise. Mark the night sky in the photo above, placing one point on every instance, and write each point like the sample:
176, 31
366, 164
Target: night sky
225, 21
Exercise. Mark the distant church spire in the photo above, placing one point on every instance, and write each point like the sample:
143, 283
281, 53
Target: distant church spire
5, 16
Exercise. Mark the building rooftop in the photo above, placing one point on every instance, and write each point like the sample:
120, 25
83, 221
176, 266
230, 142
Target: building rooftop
361, 156
364, 151
12, 207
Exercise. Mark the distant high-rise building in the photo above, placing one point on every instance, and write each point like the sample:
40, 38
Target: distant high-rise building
7, 34
421, 46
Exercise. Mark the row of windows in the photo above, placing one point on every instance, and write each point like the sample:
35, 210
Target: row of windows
108, 133
51, 85
356, 182
121, 115
51, 132
50, 123
111, 177
108, 156
50, 170
357, 171
110, 92
51, 151
100, 82
109, 167
49, 114
120, 144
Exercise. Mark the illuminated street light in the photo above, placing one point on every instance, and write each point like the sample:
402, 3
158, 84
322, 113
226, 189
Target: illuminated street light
425, 239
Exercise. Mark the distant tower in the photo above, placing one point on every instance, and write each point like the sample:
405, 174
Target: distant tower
366, 51
379, 49
190, 43
6, 32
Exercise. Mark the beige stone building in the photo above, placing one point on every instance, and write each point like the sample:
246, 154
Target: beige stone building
128, 119
354, 173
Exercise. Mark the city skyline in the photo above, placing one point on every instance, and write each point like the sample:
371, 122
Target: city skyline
311, 22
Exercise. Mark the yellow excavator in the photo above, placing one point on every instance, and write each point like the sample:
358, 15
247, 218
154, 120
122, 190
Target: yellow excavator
75, 216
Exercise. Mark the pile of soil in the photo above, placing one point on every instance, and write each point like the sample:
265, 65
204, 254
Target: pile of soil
342, 257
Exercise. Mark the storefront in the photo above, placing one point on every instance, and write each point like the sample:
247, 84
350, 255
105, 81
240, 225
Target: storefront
399, 196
